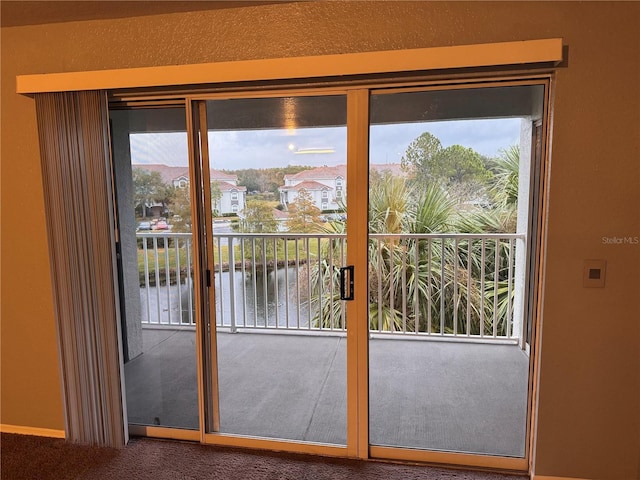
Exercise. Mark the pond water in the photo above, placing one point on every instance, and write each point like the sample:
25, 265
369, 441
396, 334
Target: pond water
277, 298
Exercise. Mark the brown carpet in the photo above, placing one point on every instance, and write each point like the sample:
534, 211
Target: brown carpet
27, 457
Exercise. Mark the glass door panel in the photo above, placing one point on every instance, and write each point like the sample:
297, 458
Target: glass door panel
155, 256
448, 223
278, 190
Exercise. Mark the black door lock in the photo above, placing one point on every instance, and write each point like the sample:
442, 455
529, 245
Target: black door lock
346, 284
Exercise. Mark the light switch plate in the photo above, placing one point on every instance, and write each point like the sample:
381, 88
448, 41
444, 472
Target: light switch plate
594, 273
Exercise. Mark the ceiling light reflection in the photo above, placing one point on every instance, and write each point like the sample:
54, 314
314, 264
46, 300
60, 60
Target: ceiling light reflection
307, 151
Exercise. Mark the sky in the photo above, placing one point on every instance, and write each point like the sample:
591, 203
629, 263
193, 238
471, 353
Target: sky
231, 150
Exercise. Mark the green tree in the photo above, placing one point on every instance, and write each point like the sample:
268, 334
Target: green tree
421, 156
149, 188
462, 170
250, 178
180, 206
457, 164
216, 195
181, 209
257, 217
266, 179
304, 216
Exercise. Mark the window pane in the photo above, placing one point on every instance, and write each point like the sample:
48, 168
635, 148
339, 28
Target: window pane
448, 219
156, 276
276, 266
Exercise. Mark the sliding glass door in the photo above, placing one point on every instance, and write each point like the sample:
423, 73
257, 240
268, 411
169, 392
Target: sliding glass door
448, 236
278, 185
155, 255
240, 329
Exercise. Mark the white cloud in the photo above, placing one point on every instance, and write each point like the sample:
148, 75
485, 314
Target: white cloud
232, 150
165, 148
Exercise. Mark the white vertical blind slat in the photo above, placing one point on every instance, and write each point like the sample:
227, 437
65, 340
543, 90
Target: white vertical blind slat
74, 148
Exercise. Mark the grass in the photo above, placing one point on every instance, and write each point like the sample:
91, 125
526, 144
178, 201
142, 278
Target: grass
157, 259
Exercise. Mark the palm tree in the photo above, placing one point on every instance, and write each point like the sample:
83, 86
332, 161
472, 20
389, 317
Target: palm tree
434, 284
506, 169
325, 280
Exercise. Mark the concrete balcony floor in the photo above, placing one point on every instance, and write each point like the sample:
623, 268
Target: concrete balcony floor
462, 397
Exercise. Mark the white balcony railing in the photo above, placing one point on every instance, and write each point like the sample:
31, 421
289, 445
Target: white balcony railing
437, 285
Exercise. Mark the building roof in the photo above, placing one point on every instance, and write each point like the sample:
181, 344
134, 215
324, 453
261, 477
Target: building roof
220, 175
319, 173
322, 173
226, 186
394, 169
306, 185
170, 173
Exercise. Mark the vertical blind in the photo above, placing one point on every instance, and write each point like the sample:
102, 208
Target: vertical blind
74, 149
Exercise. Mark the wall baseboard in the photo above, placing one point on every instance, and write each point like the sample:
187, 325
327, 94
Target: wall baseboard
546, 477
39, 432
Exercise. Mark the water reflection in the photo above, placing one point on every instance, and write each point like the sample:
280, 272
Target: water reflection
272, 298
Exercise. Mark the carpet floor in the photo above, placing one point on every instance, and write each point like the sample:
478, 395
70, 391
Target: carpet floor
27, 457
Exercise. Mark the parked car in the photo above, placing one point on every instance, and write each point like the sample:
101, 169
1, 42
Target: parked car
162, 225
144, 226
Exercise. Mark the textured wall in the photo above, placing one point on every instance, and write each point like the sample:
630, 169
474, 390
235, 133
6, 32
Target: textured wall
588, 417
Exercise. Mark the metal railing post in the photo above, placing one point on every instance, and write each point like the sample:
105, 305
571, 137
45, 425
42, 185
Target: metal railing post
232, 286
458, 277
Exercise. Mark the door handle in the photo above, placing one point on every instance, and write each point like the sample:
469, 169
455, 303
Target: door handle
346, 284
